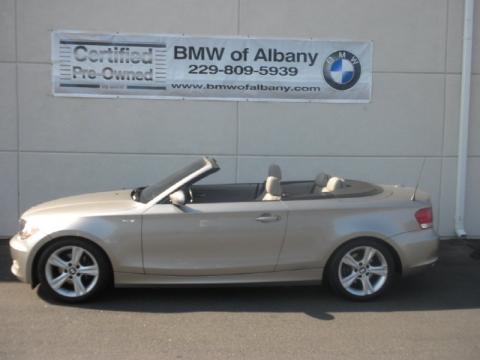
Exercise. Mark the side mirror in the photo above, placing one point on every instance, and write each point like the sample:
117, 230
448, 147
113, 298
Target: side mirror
177, 198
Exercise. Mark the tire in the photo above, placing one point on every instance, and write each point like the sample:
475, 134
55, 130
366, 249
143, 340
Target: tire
361, 270
73, 270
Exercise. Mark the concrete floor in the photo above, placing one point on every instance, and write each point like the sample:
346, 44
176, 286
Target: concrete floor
434, 315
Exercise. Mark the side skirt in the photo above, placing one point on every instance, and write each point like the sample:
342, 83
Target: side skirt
293, 276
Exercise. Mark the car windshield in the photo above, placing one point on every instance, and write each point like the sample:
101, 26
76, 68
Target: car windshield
152, 191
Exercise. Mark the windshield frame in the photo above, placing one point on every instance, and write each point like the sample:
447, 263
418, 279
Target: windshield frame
210, 166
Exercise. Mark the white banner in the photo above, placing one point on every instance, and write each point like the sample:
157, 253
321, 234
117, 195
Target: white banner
216, 68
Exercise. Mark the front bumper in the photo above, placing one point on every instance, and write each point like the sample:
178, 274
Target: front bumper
22, 252
19, 254
418, 250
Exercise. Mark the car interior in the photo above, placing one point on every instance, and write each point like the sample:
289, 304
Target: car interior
273, 188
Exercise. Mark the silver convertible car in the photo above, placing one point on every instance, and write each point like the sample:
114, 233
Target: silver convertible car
354, 235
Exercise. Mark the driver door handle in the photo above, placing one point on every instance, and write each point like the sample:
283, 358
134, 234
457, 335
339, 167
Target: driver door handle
266, 218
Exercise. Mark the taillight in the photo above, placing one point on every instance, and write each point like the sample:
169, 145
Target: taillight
424, 217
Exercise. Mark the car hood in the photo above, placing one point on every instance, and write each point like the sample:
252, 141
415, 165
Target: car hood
101, 203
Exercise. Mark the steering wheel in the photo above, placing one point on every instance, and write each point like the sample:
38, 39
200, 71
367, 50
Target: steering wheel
190, 192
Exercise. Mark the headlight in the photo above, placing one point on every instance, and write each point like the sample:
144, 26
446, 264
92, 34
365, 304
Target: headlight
26, 229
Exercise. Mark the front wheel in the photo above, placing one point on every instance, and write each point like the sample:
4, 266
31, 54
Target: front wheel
361, 269
72, 270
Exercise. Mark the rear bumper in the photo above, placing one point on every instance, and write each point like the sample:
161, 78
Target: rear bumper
418, 250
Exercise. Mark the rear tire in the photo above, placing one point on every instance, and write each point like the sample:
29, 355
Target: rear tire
361, 270
73, 270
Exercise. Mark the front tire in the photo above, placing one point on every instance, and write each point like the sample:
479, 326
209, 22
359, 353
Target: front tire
361, 269
73, 270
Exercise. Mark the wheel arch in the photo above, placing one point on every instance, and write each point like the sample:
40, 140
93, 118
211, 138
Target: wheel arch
33, 269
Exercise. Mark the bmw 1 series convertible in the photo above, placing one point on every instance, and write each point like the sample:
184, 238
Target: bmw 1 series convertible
354, 235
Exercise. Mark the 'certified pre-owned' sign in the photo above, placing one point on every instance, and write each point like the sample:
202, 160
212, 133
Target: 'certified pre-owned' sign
217, 68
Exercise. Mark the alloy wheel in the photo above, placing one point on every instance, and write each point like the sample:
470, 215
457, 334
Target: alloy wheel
363, 271
71, 271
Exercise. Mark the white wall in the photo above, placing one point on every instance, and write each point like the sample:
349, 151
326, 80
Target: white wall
51, 147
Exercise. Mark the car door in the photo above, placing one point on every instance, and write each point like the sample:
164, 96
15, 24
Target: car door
213, 238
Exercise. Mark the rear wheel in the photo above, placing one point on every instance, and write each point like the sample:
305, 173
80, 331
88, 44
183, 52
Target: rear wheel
361, 270
72, 270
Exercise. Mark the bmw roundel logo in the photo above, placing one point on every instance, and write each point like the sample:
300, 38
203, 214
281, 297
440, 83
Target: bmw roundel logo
342, 70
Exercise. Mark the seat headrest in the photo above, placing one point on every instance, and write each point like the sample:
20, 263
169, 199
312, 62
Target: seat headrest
275, 171
272, 186
322, 179
334, 183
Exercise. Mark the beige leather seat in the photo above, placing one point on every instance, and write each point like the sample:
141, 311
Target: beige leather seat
334, 183
273, 189
320, 182
273, 171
